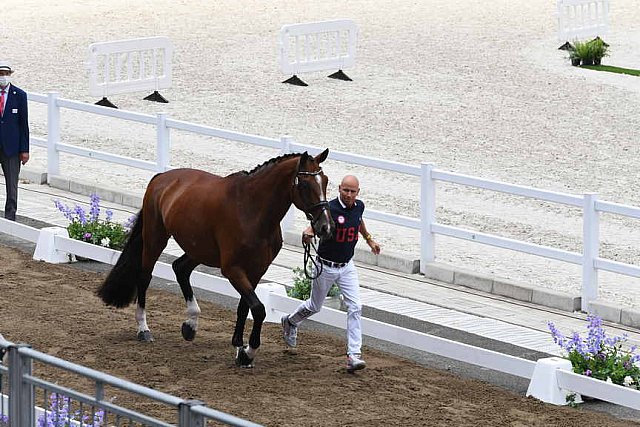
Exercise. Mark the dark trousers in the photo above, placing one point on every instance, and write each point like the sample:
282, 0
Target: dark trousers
11, 170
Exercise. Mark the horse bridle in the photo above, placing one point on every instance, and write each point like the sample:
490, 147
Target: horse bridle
323, 204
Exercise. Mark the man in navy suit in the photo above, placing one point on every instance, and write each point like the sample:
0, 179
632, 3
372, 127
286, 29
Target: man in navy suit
14, 136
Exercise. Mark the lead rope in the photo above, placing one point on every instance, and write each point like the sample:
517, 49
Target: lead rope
308, 257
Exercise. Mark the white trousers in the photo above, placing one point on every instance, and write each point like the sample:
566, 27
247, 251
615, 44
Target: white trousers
347, 280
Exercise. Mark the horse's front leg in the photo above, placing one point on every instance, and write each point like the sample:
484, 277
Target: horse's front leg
246, 354
241, 317
248, 301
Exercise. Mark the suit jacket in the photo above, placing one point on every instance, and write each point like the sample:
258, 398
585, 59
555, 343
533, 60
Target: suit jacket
14, 123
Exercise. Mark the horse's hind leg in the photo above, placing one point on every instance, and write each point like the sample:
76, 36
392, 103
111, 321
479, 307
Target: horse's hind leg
144, 334
183, 267
154, 241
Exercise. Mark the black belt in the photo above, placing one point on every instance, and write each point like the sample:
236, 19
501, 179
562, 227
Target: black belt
331, 263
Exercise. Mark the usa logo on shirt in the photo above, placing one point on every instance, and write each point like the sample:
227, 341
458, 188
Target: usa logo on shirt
340, 219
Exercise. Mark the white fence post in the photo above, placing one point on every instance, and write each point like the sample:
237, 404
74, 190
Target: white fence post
53, 135
163, 142
590, 251
427, 215
46, 246
289, 219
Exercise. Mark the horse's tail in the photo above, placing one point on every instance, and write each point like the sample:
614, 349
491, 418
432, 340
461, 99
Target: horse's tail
120, 288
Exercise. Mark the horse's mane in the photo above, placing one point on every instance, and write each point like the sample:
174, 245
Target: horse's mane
267, 163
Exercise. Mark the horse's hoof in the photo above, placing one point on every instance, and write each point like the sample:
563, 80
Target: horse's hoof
242, 359
145, 336
188, 333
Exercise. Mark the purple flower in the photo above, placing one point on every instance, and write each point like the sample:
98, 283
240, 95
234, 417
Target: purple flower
576, 344
130, 221
87, 236
109, 213
66, 210
557, 336
94, 211
596, 335
59, 414
82, 218
599, 356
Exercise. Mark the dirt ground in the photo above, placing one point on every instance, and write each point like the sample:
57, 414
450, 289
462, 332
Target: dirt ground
53, 308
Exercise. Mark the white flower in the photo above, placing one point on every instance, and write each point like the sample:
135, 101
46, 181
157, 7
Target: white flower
105, 242
628, 381
609, 380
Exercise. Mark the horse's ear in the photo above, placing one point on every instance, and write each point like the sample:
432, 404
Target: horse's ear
322, 156
304, 158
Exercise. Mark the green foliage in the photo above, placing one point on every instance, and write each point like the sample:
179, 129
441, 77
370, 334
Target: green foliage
599, 356
104, 233
599, 48
302, 285
610, 363
90, 228
617, 70
589, 51
571, 400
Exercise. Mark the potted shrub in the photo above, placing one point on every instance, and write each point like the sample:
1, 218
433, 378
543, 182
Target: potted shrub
583, 51
599, 356
89, 227
599, 49
589, 53
574, 57
302, 289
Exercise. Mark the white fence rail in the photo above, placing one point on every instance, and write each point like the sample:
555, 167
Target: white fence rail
582, 19
318, 46
133, 65
591, 207
276, 304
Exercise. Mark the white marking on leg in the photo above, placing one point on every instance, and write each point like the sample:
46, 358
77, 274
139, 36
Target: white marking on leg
251, 352
193, 312
141, 318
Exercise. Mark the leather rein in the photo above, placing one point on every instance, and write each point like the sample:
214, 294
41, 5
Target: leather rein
323, 205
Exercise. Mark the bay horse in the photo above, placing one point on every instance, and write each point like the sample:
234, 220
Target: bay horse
230, 222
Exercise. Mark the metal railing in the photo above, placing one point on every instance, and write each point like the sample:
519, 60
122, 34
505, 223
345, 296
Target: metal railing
69, 404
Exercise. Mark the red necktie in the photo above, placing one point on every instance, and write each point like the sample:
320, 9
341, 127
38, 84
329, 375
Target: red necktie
2, 102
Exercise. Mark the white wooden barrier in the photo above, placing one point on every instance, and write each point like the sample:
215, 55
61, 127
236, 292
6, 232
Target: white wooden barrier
133, 65
553, 381
318, 46
582, 19
591, 206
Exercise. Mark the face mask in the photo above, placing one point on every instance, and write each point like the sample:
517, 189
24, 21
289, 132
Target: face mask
5, 80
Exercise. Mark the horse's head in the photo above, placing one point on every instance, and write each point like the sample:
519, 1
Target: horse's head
310, 193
